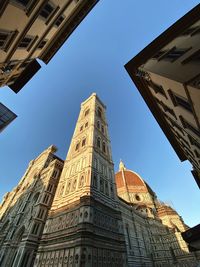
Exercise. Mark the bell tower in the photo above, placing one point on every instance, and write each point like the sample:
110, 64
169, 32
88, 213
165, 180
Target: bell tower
84, 226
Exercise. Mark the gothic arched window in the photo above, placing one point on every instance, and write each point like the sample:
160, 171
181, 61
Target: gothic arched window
101, 185
35, 198
95, 180
98, 124
102, 129
81, 182
99, 142
104, 147
99, 112
74, 184
77, 146
84, 142
87, 112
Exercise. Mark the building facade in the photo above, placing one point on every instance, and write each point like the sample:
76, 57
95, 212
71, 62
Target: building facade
86, 215
6, 117
23, 211
34, 29
167, 74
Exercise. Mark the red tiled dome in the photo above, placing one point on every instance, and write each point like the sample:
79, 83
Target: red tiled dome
126, 179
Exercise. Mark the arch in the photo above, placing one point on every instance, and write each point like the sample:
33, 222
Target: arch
87, 112
4, 227
98, 142
19, 234
35, 197
99, 112
84, 141
77, 146
104, 147
81, 181
98, 124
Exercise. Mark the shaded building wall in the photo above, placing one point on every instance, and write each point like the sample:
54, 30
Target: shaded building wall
24, 210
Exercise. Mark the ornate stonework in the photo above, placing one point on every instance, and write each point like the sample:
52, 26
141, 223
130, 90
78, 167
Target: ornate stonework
24, 210
86, 216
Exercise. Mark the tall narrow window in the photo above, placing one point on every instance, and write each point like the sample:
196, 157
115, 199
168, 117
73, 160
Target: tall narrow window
68, 187
74, 184
77, 146
95, 180
87, 112
35, 228
128, 236
98, 124
104, 147
84, 142
99, 142
99, 112
81, 181
106, 188
101, 185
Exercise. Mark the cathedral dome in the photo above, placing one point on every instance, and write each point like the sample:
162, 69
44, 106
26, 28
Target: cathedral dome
131, 181
165, 210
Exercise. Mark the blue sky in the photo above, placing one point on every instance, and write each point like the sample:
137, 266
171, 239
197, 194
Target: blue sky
92, 60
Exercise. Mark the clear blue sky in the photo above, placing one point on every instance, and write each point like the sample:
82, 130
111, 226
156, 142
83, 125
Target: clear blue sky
92, 60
